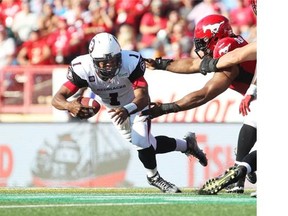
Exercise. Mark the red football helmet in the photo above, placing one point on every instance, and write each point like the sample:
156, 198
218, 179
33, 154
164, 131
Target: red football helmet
208, 31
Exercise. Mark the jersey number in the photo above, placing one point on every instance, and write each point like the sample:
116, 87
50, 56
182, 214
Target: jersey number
113, 99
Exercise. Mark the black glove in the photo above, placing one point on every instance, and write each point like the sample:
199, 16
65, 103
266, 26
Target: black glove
208, 64
162, 64
159, 109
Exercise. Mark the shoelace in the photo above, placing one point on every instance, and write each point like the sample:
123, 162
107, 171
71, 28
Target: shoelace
162, 183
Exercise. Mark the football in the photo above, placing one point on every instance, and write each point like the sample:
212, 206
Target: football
90, 102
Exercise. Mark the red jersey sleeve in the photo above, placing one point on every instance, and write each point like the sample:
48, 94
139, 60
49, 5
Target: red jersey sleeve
140, 82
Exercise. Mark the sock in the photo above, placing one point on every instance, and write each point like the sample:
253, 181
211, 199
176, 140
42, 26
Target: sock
148, 158
251, 160
246, 140
165, 144
151, 172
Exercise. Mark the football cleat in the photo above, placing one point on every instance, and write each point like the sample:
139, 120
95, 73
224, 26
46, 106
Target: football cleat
163, 185
237, 187
194, 150
214, 185
252, 177
254, 194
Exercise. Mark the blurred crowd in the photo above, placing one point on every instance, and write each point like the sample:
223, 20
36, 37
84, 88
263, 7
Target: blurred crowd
49, 32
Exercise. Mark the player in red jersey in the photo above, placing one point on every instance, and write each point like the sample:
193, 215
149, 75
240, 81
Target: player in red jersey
239, 55
213, 38
116, 77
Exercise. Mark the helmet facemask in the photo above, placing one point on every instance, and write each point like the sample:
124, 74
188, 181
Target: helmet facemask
201, 45
108, 66
205, 46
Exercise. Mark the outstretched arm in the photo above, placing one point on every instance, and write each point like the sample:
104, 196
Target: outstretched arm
236, 56
182, 66
215, 86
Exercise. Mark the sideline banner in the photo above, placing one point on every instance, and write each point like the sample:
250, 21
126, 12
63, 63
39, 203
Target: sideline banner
95, 155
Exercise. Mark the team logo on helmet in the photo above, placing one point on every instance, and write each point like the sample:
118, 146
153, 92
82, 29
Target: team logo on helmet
214, 28
91, 45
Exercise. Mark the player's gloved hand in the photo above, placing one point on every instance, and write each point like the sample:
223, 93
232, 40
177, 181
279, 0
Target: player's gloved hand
208, 65
158, 63
245, 103
157, 109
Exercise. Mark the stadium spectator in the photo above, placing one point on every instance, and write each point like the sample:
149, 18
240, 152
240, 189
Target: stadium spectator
108, 6
7, 47
186, 7
150, 25
66, 42
100, 22
242, 18
35, 51
131, 12
8, 10
24, 22
59, 8
116, 77
182, 36
205, 8
77, 13
47, 21
126, 36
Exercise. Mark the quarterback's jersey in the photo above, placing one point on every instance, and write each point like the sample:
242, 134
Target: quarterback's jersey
112, 93
246, 69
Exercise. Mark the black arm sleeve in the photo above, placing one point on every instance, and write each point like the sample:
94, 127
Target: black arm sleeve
138, 71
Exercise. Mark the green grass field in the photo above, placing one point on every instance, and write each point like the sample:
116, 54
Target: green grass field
120, 202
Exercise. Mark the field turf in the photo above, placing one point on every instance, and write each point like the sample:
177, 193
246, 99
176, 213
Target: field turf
120, 202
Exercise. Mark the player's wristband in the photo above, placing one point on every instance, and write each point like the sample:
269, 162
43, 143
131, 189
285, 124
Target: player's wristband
170, 107
162, 64
208, 65
252, 90
131, 108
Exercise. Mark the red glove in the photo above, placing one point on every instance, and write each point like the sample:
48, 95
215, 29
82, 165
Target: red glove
245, 103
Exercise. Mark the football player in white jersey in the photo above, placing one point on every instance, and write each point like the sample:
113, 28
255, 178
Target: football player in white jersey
116, 77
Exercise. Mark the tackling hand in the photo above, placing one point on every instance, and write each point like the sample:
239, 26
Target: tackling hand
154, 111
244, 105
157, 109
158, 63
